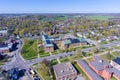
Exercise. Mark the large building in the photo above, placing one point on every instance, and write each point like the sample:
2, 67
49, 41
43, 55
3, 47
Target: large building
116, 63
48, 45
61, 42
74, 43
88, 71
65, 71
70, 40
104, 69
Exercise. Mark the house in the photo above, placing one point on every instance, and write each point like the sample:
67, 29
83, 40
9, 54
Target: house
65, 71
3, 32
88, 71
116, 63
104, 69
4, 48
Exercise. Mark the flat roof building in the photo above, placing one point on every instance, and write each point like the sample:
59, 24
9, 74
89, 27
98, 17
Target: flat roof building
64, 71
48, 45
88, 71
104, 69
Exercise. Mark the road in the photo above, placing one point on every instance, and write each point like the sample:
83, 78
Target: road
17, 62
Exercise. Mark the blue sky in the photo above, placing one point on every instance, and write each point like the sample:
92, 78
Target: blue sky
59, 6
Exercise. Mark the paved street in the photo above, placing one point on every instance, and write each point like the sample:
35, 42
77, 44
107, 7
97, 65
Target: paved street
18, 62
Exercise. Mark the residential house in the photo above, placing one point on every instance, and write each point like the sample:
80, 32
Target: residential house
3, 32
4, 48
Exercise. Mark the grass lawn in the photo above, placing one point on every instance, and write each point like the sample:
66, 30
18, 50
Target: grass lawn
98, 17
116, 47
29, 50
54, 62
65, 59
87, 54
75, 57
55, 52
1, 64
80, 70
116, 54
44, 54
43, 71
106, 58
113, 78
89, 60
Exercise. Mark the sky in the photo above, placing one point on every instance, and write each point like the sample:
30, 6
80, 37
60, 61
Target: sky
59, 6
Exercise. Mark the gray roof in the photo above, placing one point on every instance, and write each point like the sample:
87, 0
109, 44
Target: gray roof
89, 70
64, 69
100, 64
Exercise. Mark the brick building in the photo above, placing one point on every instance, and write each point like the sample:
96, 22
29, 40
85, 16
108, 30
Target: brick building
104, 69
88, 71
47, 43
65, 71
73, 43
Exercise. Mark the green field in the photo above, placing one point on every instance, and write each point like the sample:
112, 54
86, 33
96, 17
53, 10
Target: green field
29, 50
99, 17
43, 71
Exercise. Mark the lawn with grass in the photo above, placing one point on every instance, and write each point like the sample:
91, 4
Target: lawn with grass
87, 54
89, 60
116, 53
98, 17
43, 71
65, 59
75, 57
42, 53
107, 57
55, 52
113, 78
54, 62
29, 49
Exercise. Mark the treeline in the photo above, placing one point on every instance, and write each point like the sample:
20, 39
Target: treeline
34, 24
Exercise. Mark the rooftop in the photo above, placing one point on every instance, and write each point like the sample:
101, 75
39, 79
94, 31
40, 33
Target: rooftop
100, 64
64, 69
89, 70
48, 43
117, 60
